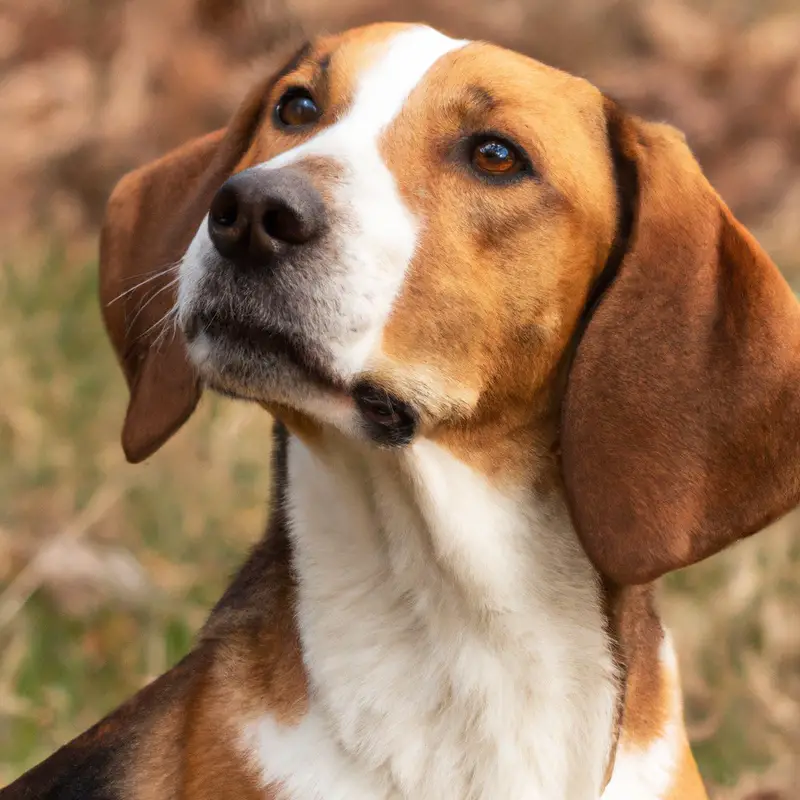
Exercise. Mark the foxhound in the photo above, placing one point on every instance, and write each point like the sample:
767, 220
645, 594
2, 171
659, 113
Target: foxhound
523, 361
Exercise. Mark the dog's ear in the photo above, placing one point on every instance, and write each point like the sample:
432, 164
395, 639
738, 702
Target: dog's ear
151, 218
681, 420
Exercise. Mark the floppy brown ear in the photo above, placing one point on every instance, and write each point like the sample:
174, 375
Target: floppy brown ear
681, 421
150, 220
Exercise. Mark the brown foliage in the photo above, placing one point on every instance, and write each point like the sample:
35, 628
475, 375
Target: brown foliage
90, 90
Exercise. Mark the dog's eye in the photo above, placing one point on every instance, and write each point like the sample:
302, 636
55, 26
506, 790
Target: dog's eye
496, 157
297, 108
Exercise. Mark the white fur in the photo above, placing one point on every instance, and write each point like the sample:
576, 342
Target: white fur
193, 264
452, 634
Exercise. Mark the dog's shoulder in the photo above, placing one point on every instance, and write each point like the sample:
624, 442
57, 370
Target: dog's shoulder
248, 648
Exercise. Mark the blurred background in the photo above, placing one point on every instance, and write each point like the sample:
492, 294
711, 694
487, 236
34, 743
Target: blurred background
106, 570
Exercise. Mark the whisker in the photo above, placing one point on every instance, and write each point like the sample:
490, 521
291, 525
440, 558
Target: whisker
171, 312
149, 300
157, 274
174, 326
152, 271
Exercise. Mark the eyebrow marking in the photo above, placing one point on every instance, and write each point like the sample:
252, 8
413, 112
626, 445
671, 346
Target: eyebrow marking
471, 106
480, 97
295, 61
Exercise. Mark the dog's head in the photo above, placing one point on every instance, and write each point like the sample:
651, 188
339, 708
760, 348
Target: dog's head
403, 235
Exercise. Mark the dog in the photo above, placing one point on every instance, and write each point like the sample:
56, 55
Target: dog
523, 361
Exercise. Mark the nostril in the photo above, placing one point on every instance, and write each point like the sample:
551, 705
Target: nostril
224, 209
282, 223
228, 223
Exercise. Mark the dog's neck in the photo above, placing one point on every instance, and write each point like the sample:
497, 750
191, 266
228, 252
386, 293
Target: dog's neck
452, 629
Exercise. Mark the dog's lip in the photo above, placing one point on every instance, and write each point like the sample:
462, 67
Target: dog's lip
260, 339
225, 327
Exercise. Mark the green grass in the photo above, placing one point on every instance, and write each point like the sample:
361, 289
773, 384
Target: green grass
162, 538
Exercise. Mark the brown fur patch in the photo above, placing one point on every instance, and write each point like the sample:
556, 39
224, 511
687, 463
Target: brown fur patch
189, 745
649, 690
248, 663
151, 218
679, 419
214, 765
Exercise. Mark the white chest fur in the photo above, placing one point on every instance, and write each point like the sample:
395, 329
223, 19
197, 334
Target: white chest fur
452, 634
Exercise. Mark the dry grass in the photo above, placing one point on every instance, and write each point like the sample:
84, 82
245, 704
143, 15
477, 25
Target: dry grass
107, 569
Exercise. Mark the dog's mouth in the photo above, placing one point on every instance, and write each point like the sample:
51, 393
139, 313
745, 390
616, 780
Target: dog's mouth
243, 354
250, 344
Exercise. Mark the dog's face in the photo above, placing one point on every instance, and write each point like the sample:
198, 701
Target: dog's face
403, 235
408, 237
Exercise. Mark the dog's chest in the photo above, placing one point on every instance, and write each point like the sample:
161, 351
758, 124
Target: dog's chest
453, 641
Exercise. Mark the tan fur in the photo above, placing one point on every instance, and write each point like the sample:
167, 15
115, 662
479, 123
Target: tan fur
648, 687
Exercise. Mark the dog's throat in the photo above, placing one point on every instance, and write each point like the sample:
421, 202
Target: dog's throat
434, 625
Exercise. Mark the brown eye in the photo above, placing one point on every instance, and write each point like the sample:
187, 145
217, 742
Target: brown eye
297, 108
494, 157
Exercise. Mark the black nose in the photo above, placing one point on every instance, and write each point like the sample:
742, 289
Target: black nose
258, 211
